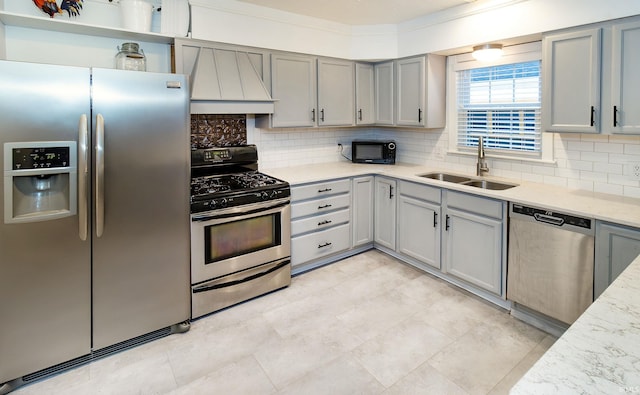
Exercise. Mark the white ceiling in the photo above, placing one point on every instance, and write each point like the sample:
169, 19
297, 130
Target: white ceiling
361, 12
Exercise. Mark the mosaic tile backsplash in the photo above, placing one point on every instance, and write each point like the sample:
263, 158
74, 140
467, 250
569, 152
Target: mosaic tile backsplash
213, 130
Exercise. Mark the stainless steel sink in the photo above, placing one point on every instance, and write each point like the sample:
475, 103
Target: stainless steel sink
446, 177
484, 184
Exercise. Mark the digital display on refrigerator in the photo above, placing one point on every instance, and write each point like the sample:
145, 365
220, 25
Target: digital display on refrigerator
40, 158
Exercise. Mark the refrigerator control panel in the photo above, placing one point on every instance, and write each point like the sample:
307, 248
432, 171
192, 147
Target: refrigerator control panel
40, 158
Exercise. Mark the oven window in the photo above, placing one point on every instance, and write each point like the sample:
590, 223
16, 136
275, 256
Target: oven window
236, 238
370, 151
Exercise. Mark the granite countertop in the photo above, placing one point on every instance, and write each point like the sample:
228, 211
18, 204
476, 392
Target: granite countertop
605, 207
600, 352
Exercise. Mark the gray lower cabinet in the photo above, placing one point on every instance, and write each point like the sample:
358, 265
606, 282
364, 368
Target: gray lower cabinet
419, 222
616, 247
320, 220
474, 238
385, 212
362, 210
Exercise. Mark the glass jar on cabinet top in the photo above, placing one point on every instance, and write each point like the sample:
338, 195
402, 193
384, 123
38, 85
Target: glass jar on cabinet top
131, 57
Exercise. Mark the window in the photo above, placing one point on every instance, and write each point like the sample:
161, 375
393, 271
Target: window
500, 101
502, 104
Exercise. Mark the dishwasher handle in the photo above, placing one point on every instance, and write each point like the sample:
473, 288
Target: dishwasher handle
549, 219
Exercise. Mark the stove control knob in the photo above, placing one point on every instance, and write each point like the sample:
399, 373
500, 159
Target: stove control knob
274, 194
223, 202
264, 196
213, 204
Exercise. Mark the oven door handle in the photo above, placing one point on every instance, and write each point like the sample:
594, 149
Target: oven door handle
240, 210
205, 288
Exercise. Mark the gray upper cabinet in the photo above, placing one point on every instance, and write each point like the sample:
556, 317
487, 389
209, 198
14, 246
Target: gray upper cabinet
420, 91
293, 87
365, 95
384, 91
624, 108
336, 92
571, 81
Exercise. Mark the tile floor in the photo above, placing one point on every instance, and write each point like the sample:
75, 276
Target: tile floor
365, 325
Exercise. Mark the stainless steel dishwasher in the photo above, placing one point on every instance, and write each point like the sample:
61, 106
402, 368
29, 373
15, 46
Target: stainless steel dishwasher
550, 265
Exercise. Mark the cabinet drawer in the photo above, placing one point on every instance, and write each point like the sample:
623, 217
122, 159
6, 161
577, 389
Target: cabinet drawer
422, 192
319, 222
319, 206
318, 244
476, 204
320, 189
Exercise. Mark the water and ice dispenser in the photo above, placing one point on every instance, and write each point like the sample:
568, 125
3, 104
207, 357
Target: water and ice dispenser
40, 181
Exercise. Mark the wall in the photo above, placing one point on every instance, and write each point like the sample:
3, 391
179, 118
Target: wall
456, 29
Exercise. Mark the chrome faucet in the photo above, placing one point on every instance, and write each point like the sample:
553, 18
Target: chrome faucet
481, 166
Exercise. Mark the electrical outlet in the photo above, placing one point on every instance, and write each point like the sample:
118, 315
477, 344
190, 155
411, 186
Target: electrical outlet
636, 171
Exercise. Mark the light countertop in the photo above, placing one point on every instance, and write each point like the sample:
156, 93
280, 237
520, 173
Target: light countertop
605, 207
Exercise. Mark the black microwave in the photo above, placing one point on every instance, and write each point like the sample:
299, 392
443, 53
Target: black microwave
371, 151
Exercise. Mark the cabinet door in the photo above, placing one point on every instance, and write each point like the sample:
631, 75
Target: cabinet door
616, 248
571, 82
336, 92
419, 230
293, 87
410, 91
625, 79
362, 208
365, 103
385, 213
474, 249
384, 88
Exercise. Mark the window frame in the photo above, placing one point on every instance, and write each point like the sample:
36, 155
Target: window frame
512, 54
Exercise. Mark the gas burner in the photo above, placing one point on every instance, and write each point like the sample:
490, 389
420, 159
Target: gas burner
208, 185
253, 180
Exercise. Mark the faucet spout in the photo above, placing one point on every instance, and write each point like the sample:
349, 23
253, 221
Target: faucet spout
481, 166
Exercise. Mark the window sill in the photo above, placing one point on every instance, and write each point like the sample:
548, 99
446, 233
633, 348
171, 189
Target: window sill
505, 157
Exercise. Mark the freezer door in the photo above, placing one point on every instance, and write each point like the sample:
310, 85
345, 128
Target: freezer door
45, 272
141, 209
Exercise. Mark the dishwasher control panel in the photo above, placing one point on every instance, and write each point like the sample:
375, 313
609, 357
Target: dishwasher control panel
552, 218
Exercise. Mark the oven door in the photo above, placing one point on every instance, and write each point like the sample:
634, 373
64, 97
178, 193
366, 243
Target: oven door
226, 241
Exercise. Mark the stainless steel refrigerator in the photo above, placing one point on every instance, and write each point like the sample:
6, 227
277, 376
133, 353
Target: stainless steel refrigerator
94, 237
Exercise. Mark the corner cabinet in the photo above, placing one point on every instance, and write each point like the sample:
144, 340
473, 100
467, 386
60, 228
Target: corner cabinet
474, 237
616, 247
384, 91
365, 94
419, 222
385, 212
571, 81
293, 87
420, 91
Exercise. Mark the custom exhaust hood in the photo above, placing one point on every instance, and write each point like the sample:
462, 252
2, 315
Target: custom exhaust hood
225, 82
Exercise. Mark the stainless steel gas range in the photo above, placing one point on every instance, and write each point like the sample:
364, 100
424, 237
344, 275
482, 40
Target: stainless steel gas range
240, 229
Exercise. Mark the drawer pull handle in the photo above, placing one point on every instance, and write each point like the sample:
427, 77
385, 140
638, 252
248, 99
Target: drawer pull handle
324, 190
324, 222
325, 206
324, 245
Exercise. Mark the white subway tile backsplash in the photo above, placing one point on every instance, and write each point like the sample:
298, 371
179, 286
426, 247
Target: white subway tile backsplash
601, 163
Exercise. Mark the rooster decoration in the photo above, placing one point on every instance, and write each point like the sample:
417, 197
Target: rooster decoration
50, 7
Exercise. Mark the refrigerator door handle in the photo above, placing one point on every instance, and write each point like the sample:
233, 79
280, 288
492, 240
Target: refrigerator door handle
83, 141
99, 175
